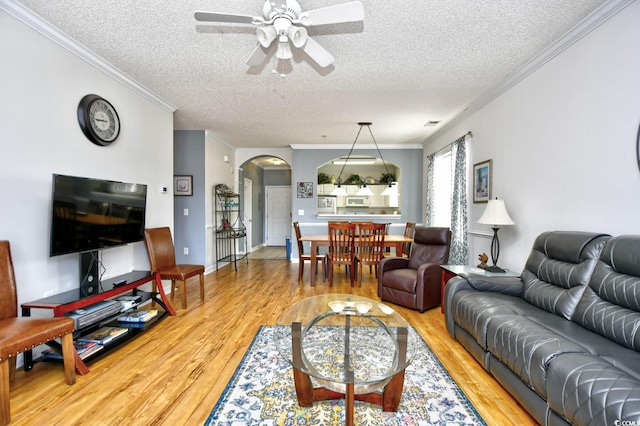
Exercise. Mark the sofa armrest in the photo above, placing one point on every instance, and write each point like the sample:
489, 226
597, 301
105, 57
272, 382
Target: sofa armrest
512, 286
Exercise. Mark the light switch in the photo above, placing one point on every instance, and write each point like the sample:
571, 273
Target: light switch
185, 212
301, 212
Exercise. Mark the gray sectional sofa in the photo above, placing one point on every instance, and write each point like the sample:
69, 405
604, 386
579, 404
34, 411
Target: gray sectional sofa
564, 338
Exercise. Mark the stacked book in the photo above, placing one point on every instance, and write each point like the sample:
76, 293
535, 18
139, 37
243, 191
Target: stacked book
104, 335
138, 316
84, 349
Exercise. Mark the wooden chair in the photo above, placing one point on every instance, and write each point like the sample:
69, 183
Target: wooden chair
370, 247
409, 231
357, 224
20, 334
301, 256
341, 248
162, 259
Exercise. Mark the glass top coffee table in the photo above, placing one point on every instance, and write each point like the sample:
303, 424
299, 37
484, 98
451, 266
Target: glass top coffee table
346, 346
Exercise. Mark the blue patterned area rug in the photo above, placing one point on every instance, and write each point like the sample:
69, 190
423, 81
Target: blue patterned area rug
261, 392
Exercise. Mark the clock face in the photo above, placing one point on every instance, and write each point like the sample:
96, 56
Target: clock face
98, 120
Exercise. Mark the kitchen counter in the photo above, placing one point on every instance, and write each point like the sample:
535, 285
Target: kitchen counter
359, 216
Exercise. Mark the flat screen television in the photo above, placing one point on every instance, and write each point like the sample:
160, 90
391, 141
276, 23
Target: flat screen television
88, 215
91, 214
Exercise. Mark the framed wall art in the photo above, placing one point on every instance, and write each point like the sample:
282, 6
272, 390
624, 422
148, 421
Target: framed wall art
305, 189
183, 185
482, 177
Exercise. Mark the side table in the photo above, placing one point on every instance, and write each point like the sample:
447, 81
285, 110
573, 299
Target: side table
450, 271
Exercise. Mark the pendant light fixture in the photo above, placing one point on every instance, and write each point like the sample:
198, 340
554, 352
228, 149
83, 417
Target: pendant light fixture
339, 190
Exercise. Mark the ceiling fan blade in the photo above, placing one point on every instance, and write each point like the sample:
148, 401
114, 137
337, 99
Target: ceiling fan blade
257, 57
346, 12
228, 18
318, 53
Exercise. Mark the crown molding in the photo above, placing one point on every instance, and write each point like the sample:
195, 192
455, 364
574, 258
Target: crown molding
35, 22
568, 39
355, 148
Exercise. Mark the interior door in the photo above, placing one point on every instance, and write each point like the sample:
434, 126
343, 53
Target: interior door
247, 212
278, 211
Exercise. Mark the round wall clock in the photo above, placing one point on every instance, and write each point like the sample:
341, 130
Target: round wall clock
98, 120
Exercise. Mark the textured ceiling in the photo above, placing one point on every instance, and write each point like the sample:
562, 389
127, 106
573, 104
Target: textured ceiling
408, 62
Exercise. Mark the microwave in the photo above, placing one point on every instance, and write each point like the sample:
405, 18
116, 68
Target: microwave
357, 201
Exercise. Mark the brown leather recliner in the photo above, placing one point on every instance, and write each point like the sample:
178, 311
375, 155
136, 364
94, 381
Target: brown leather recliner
414, 282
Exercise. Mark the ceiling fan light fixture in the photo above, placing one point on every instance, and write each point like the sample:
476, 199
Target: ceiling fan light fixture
284, 50
266, 35
298, 36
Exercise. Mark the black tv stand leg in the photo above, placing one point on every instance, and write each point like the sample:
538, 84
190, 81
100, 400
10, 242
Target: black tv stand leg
27, 355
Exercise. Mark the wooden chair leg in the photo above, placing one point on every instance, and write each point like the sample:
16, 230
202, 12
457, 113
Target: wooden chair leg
5, 413
201, 286
173, 289
68, 352
300, 269
183, 293
12, 369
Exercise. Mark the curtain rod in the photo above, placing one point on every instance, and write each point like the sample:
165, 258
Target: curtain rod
448, 145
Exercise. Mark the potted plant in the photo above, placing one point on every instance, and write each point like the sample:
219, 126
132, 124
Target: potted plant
354, 180
323, 178
387, 178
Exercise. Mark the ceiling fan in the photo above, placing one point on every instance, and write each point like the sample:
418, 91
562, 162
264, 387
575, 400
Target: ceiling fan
287, 23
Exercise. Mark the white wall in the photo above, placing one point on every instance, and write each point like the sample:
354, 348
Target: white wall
563, 143
41, 84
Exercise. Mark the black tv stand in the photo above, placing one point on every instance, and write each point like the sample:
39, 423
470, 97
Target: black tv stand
70, 301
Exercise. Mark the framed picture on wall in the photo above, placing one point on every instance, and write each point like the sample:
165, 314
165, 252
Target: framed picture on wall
482, 177
305, 189
183, 185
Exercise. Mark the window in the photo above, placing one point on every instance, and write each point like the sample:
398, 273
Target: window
442, 189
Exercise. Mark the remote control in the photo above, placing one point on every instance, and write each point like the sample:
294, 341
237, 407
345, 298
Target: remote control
119, 283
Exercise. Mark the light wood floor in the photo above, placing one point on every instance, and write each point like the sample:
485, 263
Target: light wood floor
175, 373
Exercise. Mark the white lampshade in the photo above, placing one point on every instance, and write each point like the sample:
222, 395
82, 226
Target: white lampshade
339, 190
364, 190
496, 214
390, 190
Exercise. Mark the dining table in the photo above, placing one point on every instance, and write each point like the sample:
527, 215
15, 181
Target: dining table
322, 240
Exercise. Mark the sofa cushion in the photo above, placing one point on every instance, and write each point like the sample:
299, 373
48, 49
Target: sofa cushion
585, 389
558, 269
610, 305
472, 311
527, 347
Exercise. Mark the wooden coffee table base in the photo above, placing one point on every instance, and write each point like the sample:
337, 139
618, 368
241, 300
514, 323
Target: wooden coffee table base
388, 398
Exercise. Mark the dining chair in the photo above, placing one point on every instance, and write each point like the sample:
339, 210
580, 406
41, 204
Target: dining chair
357, 224
302, 257
409, 231
370, 247
18, 334
162, 258
341, 249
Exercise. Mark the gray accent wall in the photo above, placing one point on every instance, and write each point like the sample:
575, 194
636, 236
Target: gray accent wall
189, 231
408, 161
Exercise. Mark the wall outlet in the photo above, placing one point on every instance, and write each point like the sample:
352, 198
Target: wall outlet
186, 250
163, 189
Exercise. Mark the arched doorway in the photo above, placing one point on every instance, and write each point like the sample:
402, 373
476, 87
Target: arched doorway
259, 179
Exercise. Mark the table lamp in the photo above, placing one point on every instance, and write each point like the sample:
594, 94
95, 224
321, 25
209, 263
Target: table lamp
495, 214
